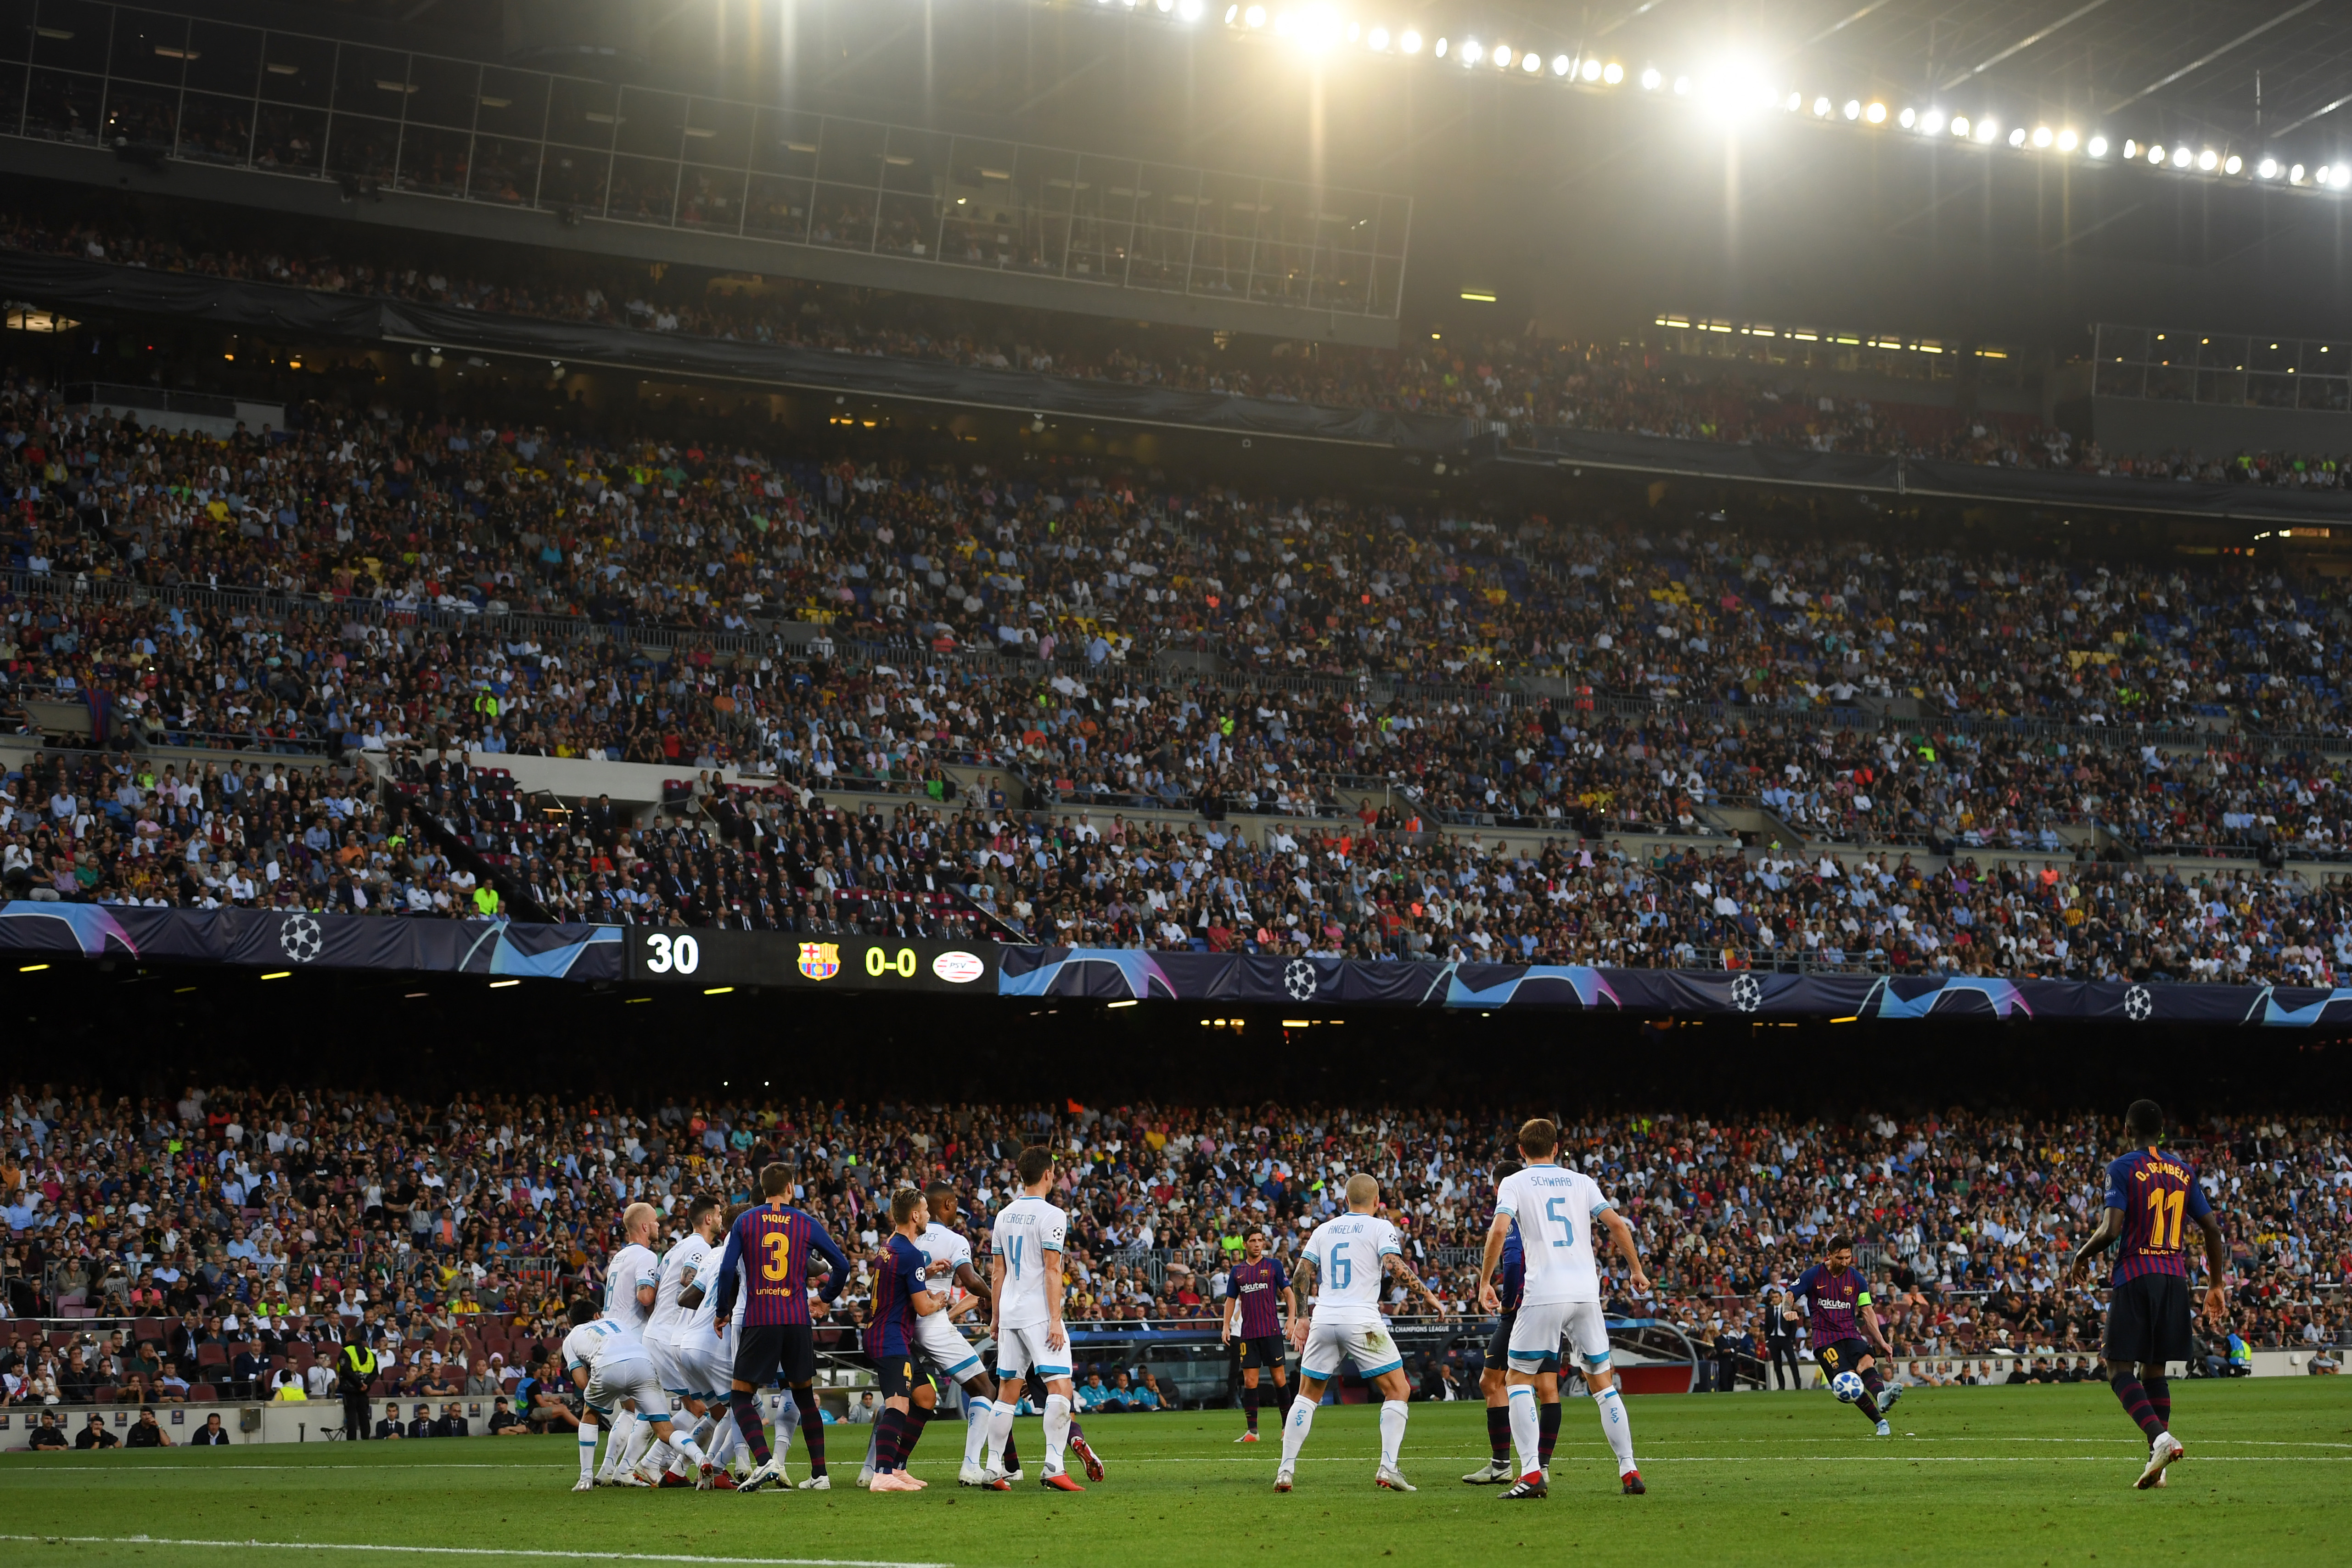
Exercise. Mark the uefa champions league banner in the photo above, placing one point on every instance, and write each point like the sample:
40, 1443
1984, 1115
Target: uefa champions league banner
294, 939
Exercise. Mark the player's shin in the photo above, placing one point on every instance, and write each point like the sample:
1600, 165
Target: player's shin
978, 1411
1392, 1419
1526, 1429
2133, 1396
812, 1421
1000, 1432
587, 1451
1547, 1431
693, 1451
744, 1405
617, 1436
2159, 1399
1249, 1407
1057, 1431
1498, 1432
1615, 1427
1295, 1427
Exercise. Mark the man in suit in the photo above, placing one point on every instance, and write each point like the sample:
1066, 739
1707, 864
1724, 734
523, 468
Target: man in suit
422, 1426
211, 1434
390, 1427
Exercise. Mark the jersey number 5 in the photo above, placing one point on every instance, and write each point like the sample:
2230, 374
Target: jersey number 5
1556, 1211
777, 1246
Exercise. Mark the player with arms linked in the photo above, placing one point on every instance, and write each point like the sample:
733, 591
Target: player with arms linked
1258, 1298
2150, 1193
1494, 1383
767, 1259
1844, 1326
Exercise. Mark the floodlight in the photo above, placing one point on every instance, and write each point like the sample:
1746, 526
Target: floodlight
1875, 113
1682, 86
2294, 175
1960, 125
1985, 130
1561, 65
2209, 160
2267, 169
2155, 156
1440, 51
2232, 164
1531, 62
2323, 174
1255, 17
1503, 56
2131, 148
2182, 157
1590, 71
1822, 108
1471, 51
1853, 108
1651, 79
1378, 39
1931, 121
2017, 137
1908, 119
1796, 101
2042, 136
1232, 11
2097, 147
1613, 73
1409, 41
2065, 140
1189, 10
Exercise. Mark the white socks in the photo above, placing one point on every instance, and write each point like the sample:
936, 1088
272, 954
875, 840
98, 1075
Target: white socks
617, 1440
723, 1442
1295, 1427
587, 1452
788, 1421
979, 1421
1525, 1435
1057, 1432
1393, 1414
1000, 1431
1613, 1426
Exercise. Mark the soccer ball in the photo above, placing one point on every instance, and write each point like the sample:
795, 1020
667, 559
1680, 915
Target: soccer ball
1847, 1386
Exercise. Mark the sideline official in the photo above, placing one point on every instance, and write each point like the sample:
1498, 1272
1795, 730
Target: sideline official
355, 1370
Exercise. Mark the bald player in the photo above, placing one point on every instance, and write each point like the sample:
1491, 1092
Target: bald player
632, 1285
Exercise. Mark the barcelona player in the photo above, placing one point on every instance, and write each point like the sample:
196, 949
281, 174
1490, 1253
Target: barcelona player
767, 1259
1494, 1383
2150, 1193
1258, 1303
1843, 1327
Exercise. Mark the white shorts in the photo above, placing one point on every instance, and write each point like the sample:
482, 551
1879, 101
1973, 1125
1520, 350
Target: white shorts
664, 1357
612, 1382
1368, 1345
937, 1342
705, 1362
1536, 1332
1022, 1352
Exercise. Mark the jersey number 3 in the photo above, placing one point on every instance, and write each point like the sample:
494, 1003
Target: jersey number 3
778, 1246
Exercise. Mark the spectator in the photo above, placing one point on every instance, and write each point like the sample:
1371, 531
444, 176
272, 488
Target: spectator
390, 1427
211, 1434
49, 1434
94, 1434
146, 1432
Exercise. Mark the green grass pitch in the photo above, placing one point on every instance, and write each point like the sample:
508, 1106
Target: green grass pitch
2010, 1476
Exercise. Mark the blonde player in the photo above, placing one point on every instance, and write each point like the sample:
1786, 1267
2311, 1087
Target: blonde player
1556, 1211
632, 1281
1345, 1263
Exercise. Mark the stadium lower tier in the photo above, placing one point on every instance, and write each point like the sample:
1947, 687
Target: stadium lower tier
407, 1222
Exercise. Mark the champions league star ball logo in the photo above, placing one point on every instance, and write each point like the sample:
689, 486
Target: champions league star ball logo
820, 960
300, 937
1747, 993
1299, 981
2139, 1004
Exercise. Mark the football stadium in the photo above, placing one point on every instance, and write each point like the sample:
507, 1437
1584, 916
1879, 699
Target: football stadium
1304, 760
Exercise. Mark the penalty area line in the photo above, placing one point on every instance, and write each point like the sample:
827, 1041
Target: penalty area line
473, 1551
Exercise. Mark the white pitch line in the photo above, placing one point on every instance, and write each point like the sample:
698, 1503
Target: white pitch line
477, 1551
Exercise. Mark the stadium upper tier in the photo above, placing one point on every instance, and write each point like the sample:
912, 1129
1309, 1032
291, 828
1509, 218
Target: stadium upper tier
394, 1218
1523, 387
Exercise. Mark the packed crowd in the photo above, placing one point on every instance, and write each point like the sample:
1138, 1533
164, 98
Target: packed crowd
1523, 384
307, 1216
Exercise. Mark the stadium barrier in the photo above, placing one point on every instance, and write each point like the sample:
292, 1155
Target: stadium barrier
711, 957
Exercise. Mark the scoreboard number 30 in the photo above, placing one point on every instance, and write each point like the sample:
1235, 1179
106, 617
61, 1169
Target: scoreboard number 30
679, 953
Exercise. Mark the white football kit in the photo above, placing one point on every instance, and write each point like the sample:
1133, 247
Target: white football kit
682, 1265
619, 1369
936, 1338
632, 1266
1556, 1211
1025, 1231
1349, 1254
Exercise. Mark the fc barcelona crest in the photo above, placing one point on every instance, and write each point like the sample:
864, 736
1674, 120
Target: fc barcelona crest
820, 960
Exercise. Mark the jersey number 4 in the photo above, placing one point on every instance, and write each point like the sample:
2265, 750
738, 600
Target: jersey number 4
1556, 1211
1016, 1257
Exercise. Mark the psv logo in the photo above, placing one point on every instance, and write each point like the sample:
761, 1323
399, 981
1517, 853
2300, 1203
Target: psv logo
820, 960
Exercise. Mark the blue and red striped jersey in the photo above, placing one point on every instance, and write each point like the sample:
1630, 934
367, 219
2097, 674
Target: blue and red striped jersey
1258, 1287
898, 1276
767, 1259
1833, 1299
1511, 1273
2158, 1195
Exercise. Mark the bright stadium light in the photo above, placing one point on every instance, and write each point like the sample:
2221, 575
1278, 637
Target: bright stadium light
1440, 51
1591, 71
2209, 160
2065, 140
1255, 15
2096, 147
2182, 157
1189, 10
1651, 80
1682, 86
2017, 137
1822, 108
1503, 56
1931, 122
1909, 119
1378, 39
1409, 41
1561, 65
2267, 169
1853, 108
2155, 156
1531, 62
1613, 73
2232, 164
2042, 136
1471, 50
1986, 130
1960, 125
2294, 175
1795, 101
1875, 113
2131, 149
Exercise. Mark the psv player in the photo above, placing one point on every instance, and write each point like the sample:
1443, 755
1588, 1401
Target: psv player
1258, 1301
2151, 1195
